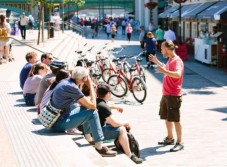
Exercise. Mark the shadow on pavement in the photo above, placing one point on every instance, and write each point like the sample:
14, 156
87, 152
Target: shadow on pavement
15, 93
46, 132
220, 109
153, 151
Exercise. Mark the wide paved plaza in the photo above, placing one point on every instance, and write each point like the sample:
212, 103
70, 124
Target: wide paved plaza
24, 142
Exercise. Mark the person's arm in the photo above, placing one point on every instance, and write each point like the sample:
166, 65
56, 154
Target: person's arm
155, 60
89, 103
113, 107
112, 121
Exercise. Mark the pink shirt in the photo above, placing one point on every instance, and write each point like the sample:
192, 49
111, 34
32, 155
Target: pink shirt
173, 86
31, 84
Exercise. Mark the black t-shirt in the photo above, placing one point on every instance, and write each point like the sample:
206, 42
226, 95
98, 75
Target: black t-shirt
103, 110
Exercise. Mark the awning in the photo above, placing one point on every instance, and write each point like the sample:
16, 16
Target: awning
168, 12
215, 12
184, 10
198, 8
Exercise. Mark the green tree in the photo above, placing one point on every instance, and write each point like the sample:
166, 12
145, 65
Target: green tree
48, 4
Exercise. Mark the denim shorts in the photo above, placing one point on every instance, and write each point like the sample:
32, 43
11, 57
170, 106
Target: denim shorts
170, 108
110, 132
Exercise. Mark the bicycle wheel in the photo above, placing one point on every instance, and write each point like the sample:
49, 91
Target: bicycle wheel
96, 68
142, 73
139, 89
106, 73
118, 85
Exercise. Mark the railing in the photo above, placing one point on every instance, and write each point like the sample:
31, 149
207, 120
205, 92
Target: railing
76, 27
27, 45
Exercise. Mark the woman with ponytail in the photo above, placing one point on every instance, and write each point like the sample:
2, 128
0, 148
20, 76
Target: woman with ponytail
4, 42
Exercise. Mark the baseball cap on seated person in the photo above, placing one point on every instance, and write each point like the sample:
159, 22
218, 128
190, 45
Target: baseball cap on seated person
56, 65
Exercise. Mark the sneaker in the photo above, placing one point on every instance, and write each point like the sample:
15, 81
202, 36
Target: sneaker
177, 147
135, 159
106, 152
167, 141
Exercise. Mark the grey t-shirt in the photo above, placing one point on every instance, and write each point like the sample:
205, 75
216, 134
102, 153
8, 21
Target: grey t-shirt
44, 84
65, 93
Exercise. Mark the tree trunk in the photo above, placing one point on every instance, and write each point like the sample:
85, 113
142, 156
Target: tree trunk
42, 23
39, 18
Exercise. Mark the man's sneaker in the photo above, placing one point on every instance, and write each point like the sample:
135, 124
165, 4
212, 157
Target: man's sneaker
136, 159
166, 141
106, 152
177, 147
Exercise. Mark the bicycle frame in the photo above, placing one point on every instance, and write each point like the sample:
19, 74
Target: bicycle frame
128, 79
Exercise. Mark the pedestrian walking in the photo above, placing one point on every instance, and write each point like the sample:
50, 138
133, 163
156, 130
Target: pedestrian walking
150, 46
170, 35
4, 42
129, 32
159, 35
23, 24
113, 32
172, 93
108, 30
123, 26
30, 23
141, 37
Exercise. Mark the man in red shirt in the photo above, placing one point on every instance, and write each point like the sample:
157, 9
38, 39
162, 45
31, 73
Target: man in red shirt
172, 93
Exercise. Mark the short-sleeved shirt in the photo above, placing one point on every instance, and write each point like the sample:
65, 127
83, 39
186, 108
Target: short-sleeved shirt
31, 84
65, 93
103, 110
169, 35
159, 33
150, 45
24, 74
43, 86
173, 86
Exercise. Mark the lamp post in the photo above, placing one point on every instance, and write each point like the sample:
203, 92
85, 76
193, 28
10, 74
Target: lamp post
180, 2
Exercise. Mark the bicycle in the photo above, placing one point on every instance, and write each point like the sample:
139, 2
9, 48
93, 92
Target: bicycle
107, 72
120, 83
139, 69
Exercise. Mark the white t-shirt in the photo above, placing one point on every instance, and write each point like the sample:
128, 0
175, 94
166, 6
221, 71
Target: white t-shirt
23, 21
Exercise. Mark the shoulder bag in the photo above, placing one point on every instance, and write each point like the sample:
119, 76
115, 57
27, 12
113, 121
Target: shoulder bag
49, 115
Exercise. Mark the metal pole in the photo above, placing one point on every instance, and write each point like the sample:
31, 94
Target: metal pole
180, 23
77, 13
111, 8
63, 27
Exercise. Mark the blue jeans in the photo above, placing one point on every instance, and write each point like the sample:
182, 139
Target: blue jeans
110, 132
75, 116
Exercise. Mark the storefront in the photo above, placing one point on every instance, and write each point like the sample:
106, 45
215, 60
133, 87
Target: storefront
204, 25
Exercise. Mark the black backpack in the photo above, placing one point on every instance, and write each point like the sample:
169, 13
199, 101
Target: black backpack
133, 144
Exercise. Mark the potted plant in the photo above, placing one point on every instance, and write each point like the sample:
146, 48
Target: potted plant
150, 5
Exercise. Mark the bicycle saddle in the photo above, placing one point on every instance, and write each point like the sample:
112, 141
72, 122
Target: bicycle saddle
139, 59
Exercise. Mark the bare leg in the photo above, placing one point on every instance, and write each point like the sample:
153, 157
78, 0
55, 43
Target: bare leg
123, 140
178, 128
1, 51
169, 126
6, 53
